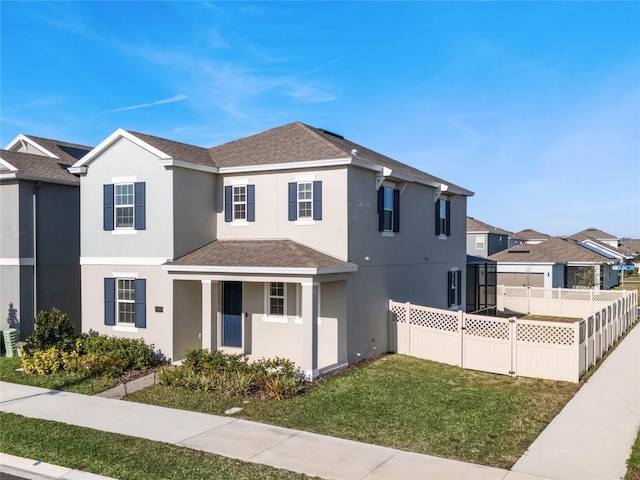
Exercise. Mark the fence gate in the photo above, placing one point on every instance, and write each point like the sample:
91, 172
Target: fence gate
488, 344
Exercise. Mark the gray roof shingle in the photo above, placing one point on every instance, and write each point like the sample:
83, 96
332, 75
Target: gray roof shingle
39, 166
474, 225
553, 250
258, 253
67, 152
178, 151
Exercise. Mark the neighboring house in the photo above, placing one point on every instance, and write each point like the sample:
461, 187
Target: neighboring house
484, 240
40, 231
555, 262
286, 243
527, 236
605, 244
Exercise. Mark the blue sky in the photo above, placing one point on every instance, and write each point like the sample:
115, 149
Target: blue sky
533, 106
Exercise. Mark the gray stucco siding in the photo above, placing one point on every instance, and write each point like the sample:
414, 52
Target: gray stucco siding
125, 160
328, 235
9, 227
194, 210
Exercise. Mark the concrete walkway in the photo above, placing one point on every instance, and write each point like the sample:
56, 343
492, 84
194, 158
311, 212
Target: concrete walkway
590, 439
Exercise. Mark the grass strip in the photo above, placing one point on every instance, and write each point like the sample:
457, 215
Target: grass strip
405, 403
633, 464
121, 456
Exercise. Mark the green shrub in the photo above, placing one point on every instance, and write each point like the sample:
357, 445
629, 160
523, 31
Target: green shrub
52, 329
129, 353
233, 374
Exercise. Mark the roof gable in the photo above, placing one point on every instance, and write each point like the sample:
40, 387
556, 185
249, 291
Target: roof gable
29, 166
476, 226
65, 151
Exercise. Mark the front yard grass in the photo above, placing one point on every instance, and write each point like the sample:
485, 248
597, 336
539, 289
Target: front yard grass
120, 456
633, 470
405, 403
69, 383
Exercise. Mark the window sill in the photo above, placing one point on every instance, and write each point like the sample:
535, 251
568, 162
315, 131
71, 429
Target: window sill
305, 222
442, 237
125, 328
239, 223
388, 234
123, 231
274, 319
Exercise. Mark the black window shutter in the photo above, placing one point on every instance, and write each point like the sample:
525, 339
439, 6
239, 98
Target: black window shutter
107, 222
450, 298
109, 301
317, 200
381, 209
293, 201
438, 232
140, 308
448, 210
251, 203
228, 203
396, 210
459, 287
139, 199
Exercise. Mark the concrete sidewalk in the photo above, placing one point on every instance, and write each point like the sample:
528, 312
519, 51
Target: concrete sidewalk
590, 439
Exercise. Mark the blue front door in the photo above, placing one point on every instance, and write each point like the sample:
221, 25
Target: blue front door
232, 314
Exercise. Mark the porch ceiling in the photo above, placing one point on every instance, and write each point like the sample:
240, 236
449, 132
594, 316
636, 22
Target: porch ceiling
227, 255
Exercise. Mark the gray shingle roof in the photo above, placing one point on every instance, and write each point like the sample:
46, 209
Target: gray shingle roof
474, 225
67, 152
554, 250
38, 166
594, 233
529, 234
178, 151
297, 142
258, 253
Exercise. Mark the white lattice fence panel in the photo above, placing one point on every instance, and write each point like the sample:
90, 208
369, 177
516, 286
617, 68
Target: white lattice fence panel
546, 350
398, 312
487, 344
432, 318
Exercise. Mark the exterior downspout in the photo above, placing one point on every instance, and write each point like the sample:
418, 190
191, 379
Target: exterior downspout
35, 249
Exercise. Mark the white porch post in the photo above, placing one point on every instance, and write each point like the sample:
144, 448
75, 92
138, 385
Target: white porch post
310, 330
209, 313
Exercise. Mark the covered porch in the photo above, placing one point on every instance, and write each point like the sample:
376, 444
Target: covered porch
262, 298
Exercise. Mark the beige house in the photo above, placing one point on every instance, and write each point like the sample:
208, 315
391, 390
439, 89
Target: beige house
286, 243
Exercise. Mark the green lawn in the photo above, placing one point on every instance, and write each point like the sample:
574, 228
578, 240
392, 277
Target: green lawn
633, 471
120, 456
406, 403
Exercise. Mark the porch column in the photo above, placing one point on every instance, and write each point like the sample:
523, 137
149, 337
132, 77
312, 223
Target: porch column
209, 313
310, 329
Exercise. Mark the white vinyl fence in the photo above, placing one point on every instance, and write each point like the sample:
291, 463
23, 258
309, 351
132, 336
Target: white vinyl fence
528, 348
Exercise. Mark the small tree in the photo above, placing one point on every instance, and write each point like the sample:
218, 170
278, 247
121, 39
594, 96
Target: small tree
52, 329
586, 277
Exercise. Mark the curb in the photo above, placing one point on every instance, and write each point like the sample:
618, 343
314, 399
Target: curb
36, 470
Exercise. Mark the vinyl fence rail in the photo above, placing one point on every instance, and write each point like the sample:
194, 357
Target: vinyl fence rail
528, 348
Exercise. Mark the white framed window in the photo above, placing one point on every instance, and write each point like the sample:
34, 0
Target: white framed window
480, 242
387, 210
277, 299
126, 301
305, 200
239, 202
124, 205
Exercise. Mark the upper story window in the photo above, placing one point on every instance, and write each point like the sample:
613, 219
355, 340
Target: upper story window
305, 200
480, 242
124, 206
443, 217
388, 209
239, 203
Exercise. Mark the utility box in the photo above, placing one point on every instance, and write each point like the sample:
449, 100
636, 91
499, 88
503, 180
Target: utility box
10, 336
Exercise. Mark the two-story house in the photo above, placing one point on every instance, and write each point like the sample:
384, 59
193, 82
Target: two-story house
484, 240
40, 231
286, 243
